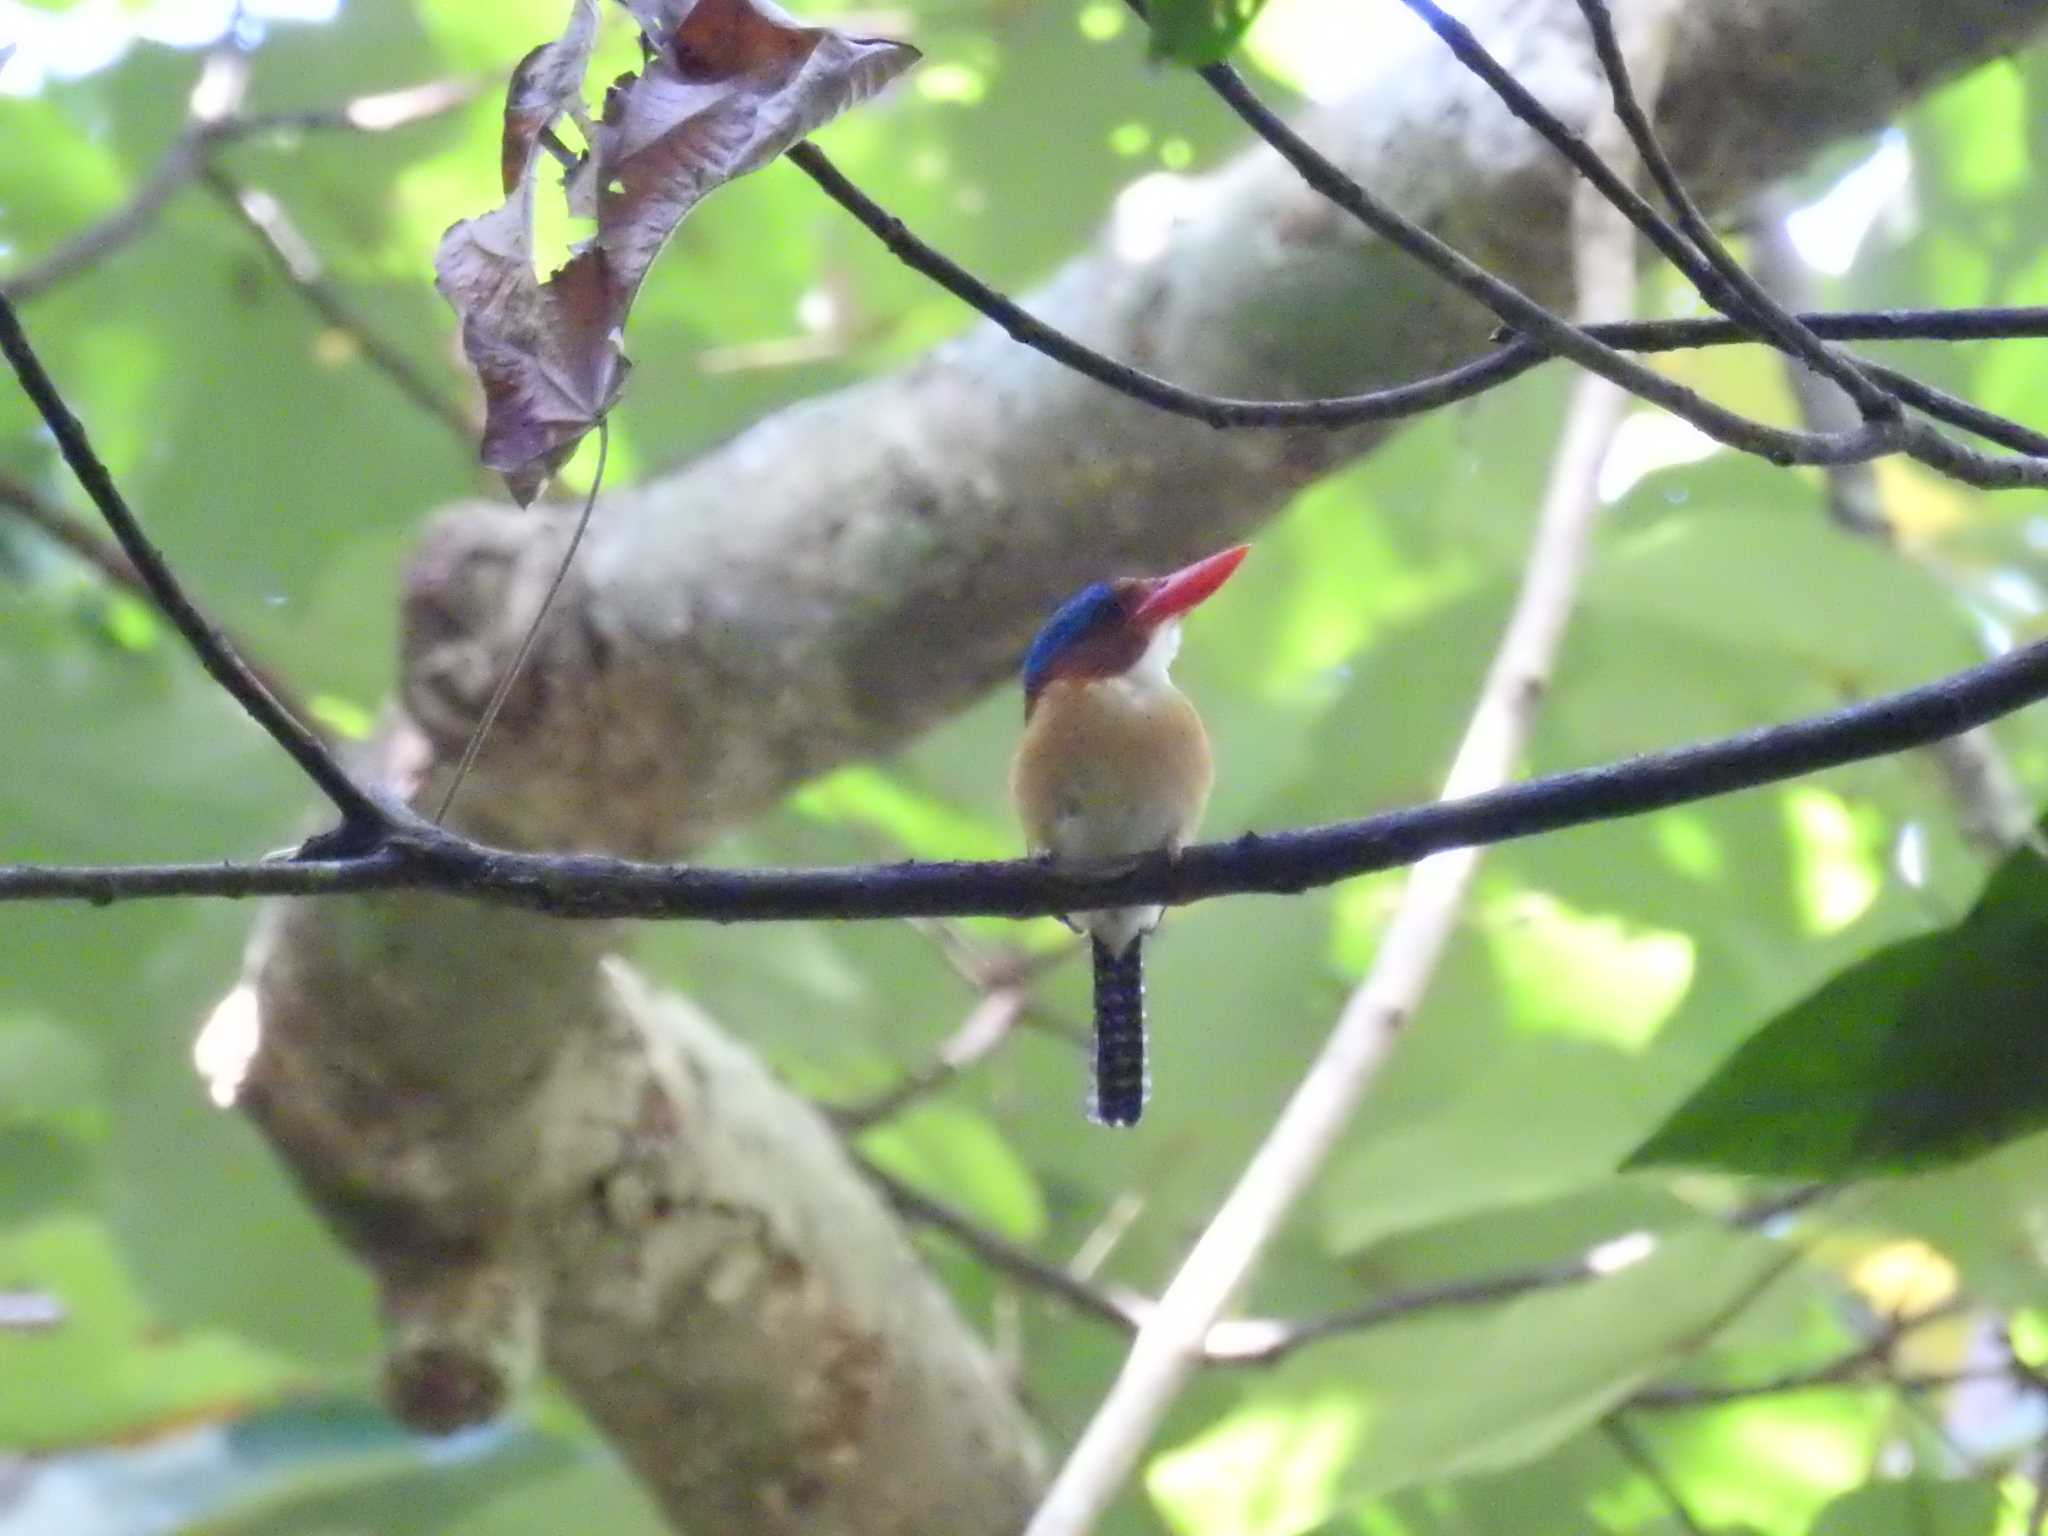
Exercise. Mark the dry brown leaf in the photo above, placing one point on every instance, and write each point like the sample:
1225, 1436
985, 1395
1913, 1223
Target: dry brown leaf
547, 83
728, 86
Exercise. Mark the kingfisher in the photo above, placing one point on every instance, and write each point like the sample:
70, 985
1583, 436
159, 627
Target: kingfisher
1114, 763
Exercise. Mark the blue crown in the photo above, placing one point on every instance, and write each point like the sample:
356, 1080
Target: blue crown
1086, 610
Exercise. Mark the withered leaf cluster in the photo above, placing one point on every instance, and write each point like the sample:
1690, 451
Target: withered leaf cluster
727, 85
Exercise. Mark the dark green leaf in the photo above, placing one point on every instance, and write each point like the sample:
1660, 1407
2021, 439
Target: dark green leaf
1927, 1051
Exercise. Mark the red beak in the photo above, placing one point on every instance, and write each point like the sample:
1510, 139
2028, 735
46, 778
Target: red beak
1171, 596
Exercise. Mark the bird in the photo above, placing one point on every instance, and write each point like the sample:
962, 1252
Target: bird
1114, 763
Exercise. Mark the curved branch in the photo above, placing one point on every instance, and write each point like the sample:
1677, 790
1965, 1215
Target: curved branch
1516, 356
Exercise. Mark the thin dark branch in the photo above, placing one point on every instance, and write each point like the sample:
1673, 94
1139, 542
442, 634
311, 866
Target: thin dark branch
1994, 810
1459, 383
583, 886
60, 527
1265, 1341
1516, 356
1241, 1342
1002, 1254
1236, 1341
1867, 1366
264, 217
1988, 324
359, 811
1672, 1398
1944, 406
1530, 319
1750, 299
1720, 279
1704, 262
1523, 315
1630, 1447
104, 556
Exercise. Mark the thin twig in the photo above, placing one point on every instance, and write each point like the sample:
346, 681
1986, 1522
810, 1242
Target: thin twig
1675, 1398
526, 643
1233, 1341
1247, 1341
1002, 1254
985, 1028
1782, 327
119, 228
264, 217
1852, 1368
1938, 403
1287, 863
1458, 383
1874, 438
1260, 1342
360, 813
60, 527
193, 150
1170, 1346
190, 152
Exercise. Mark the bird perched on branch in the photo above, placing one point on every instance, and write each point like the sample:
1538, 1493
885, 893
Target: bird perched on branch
1114, 763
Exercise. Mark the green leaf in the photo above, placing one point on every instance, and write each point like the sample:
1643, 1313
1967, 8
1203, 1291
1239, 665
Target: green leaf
1914, 1506
1926, 1052
1199, 32
108, 1370
1454, 1394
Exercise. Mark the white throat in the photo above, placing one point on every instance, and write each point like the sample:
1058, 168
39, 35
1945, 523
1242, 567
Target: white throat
1147, 676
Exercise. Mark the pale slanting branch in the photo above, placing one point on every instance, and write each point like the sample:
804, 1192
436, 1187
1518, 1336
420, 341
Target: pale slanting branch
1170, 1346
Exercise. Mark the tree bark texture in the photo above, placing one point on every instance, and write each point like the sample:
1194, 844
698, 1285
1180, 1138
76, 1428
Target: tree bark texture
542, 1159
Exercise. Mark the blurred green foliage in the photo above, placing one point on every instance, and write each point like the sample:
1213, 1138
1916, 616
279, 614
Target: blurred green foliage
1603, 976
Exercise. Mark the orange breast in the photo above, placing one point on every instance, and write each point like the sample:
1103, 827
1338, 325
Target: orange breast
1108, 768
